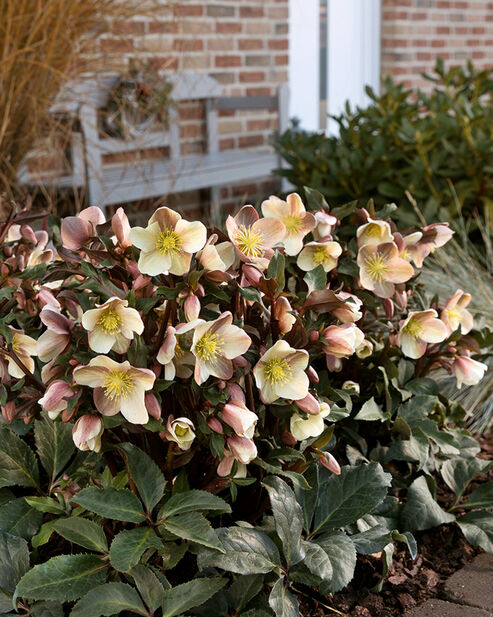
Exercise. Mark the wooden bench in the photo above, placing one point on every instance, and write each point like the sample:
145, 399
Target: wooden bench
141, 178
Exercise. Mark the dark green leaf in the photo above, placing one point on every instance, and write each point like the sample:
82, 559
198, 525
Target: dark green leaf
46, 504
421, 510
371, 411
83, 532
128, 546
121, 505
243, 589
342, 555
458, 472
195, 527
194, 500
14, 563
180, 599
478, 529
19, 519
282, 602
146, 474
109, 599
317, 561
46, 608
481, 497
149, 586
63, 578
54, 445
18, 465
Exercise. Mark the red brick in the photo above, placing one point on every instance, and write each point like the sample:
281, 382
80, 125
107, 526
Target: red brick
252, 76
423, 56
258, 92
437, 43
166, 62
166, 27
281, 44
188, 10
220, 10
473, 42
251, 11
250, 44
226, 144
249, 141
282, 60
259, 125
192, 44
128, 27
443, 30
244, 189
228, 27
190, 131
117, 45
478, 30
478, 54
223, 61
419, 16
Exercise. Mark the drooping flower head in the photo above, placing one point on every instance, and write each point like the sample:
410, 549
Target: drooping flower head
76, 230
180, 431
217, 257
380, 267
455, 314
87, 433
325, 223
215, 344
24, 347
316, 254
167, 243
112, 326
280, 373
176, 360
117, 387
254, 237
237, 415
467, 371
297, 221
419, 329
342, 341
302, 428
373, 233
56, 397
55, 339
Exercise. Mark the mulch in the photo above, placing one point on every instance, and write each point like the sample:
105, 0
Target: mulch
441, 552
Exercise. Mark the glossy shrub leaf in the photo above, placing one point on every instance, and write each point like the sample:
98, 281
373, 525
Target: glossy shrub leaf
46, 608
243, 589
288, 518
121, 505
371, 411
246, 551
192, 501
180, 599
458, 472
481, 497
345, 498
128, 546
109, 599
18, 464
342, 555
195, 527
149, 586
14, 563
54, 445
19, 519
478, 529
317, 561
282, 602
83, 532
421, 511
146, 474
63, 578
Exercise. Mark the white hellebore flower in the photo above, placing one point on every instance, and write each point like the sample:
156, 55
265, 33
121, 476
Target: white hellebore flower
374, 232
24, 347
380, 267
455, 314
215, 344
217, 256
111, 326
167, 243
315, 254
468, 371
180, 431
280, 373
296, 220
117, 387
87, 432
240, 418
312, 426
176, 361
418, 329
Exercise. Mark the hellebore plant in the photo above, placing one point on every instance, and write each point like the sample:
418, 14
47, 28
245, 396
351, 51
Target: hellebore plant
217, 360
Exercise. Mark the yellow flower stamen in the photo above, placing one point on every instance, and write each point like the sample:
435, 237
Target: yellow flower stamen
178, 350
109, 321
209, 346
292, 223
180, 431
453, 314
168, 241
373, 230
249, 242
277, 371
117, 384
377, 268
320, 255
16, 346
413, 328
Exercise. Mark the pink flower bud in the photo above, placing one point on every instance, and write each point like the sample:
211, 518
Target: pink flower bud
239, 418
312, 374
314, 336
200, 291
221, 384
152, 405
400, 298
191, 306
215, 425
28, 234
309, 404
121, 228
45, 296
330, 463
87, 433
235, 392
75, 232
252, 274
388, 307
244, 450
8, 412
241, 362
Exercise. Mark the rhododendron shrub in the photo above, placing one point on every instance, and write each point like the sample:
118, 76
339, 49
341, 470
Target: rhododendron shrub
280, 365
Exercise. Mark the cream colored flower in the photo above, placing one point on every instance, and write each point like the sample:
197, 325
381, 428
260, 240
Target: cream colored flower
237, 415
283, 314
380, 267
215, 257
117, 387
55, 399
325, 223
455, 314
315, 254
55, 339
87, 433
254, 237
373, 233
280, 373
312, 426
24, 347
418, 329
297, 221
167, 243
215, 344
468, 371
342, 341
413, 249
180, 431
111, 326
176, 360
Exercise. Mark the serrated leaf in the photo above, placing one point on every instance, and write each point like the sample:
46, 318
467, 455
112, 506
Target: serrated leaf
342, 555
282, 602
478, 529
317, 561
83, 532
19, 519
458, 472
109, 599
195, 527
46, 608
371, 411
54, 445
194, 500
14, 563
121, 505
128, 546
421, 511
149, 586
243, 589
347, 497
180, 599
288, 518
63, 578
146, 474
45, 504
246, 551
18, 465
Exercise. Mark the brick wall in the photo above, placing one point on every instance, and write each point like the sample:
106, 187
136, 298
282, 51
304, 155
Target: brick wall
416, 32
